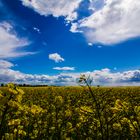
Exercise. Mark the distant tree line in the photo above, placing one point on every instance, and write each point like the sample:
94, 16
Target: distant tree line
23, 85
28, 85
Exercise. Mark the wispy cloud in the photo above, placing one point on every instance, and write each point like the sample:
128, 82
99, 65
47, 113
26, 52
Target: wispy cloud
56, 57
10, 42
5, 64
64, 68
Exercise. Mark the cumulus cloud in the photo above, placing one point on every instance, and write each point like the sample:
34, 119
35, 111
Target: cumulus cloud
103, 77
64, 68
10, 43
111, 23
56, 57
106, 77
54, 7
9, 75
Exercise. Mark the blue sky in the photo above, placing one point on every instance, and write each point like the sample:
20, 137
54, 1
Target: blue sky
51, 42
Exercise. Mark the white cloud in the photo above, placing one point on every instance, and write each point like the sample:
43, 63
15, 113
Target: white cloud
56, 8
9, 75
114, 22
110, 22
103, 77
5, 64
90, 44
56, 57
106, 77
64, 68
36, 29
74, 27
7, 26
10, 43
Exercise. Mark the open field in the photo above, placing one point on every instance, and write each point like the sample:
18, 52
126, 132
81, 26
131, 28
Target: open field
69, 69
76, 113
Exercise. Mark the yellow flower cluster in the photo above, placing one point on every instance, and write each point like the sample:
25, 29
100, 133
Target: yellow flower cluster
36, 109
